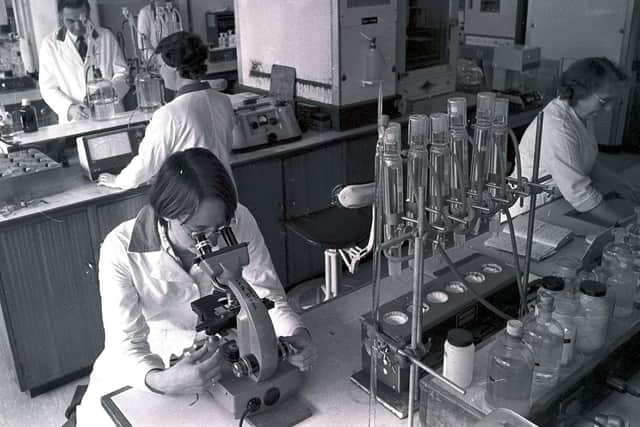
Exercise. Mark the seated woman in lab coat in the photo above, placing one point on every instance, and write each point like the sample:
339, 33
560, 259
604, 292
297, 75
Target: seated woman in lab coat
148, 280
569, 148
199, 116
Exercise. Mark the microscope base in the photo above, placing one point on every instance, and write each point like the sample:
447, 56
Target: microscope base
234, 393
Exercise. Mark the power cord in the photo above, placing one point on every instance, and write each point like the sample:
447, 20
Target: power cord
252, 406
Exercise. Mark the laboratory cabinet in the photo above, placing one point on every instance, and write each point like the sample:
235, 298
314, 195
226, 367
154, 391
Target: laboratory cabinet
49, 295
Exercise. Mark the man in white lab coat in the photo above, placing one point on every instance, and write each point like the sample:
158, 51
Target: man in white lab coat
67, 55
151, 28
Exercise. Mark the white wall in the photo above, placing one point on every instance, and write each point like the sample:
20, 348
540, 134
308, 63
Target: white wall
296, 33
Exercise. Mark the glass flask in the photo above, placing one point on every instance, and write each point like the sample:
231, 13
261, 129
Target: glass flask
149, 91
101, 96
510, 371
593, 319
545, 336
393, 184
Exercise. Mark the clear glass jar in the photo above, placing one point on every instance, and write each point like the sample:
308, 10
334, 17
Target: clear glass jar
101, 96
567, 269
622, 285
593, 319
149, 91
609, 262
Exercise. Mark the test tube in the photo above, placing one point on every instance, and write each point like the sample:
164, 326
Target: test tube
440, 165
417, 160
393, 200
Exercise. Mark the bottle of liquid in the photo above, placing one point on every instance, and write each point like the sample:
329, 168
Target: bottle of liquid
622, 284
28, 117
6, 124
593, 318
565, 312
510, 371
545, 336
458, 360
567, 269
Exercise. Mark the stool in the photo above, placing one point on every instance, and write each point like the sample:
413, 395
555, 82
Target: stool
333, 229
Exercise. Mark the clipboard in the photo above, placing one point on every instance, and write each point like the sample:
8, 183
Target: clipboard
283, 83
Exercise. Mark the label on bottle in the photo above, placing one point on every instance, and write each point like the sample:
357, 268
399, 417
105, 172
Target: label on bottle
567, 345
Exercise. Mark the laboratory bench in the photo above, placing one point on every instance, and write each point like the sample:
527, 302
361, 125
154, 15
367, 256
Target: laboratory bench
49, 245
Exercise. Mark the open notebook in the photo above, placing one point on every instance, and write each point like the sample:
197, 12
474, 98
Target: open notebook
547, 238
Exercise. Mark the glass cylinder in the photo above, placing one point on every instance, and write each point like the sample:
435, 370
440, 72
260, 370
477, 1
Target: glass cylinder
393, 194
417, 160
482, 141
457, 112
149, 91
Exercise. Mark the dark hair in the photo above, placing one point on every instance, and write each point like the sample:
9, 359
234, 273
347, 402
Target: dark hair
73, 4
186, 52
187, 178
585, 76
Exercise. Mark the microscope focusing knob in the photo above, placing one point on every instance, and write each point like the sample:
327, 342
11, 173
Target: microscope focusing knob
245, 366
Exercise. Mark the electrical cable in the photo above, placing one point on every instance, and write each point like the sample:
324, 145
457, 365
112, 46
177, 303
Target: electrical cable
495, 310
244, 414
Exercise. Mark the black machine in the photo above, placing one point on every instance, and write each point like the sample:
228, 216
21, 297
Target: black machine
447, 304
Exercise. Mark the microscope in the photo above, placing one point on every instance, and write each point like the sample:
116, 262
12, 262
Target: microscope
256, 374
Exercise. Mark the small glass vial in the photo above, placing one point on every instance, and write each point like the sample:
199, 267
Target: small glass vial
459, 353
593, 321
28, 116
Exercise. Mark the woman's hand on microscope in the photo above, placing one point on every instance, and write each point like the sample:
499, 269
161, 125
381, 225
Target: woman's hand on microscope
195, 372
305, 353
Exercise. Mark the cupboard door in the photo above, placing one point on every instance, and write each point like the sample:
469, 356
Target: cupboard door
50, 298
115, 212
260, 190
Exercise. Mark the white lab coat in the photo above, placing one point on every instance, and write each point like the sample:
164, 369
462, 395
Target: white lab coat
62, 72
146, 298
568, 153
198, 117
151, 29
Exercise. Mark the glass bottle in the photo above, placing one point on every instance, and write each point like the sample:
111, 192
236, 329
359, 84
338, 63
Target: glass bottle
609, 261
564, 312
567, 269
622, 284
633, 236
510, 371
593, 319
28, 116
545, 336
393, 184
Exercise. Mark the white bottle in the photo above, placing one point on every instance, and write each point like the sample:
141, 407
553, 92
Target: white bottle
459, 353
232, 39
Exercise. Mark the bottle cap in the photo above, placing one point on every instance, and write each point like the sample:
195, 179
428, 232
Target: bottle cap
25, 102
459, 337
593, 288
515, 328
552, 283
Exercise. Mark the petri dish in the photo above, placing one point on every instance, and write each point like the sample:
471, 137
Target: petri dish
456, 287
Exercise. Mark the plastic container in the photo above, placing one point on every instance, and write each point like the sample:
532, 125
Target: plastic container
593, 320
459, 353
510, 371
545, 336
28, 116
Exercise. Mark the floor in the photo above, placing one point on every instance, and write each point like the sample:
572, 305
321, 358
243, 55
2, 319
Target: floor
17, 409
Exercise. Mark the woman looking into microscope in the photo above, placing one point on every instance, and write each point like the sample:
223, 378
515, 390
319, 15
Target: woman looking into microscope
148, 280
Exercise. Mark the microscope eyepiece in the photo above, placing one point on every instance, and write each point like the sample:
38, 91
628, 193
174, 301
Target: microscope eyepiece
203, 245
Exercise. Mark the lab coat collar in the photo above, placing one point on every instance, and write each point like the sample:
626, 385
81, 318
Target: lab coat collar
145, 237
193, 87
62, 34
